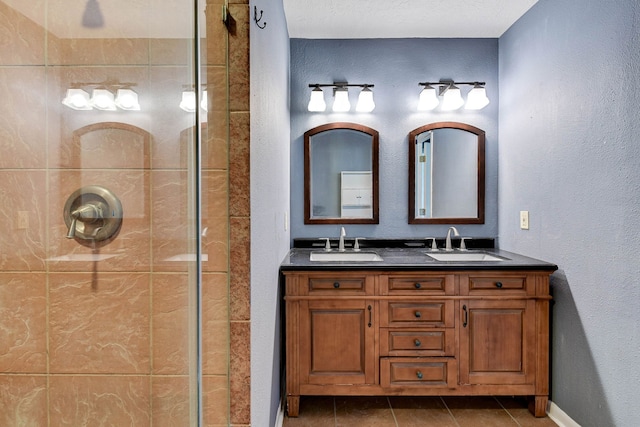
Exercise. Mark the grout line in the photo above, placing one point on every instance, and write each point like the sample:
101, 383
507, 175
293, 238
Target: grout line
507, 411
395, 420
449, 410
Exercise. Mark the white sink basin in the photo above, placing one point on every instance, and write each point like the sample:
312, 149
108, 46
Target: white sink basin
344, 256
464, 256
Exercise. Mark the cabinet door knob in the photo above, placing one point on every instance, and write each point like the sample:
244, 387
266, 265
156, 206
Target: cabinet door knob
418, 314
336, 285
418, 285
498, 284
419, 375
417, 343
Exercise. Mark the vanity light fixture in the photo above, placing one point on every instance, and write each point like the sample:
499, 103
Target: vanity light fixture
188, 102
127, 99
341, 98
102, 99
77, 99
451, 96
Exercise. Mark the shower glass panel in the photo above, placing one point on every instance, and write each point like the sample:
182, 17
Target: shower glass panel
113, 213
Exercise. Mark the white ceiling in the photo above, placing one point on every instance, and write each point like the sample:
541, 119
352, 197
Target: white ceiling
357, 19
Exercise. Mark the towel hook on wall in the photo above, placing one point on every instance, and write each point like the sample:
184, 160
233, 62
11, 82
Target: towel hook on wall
257, 19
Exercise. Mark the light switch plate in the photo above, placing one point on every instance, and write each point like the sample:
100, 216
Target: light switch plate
524, 220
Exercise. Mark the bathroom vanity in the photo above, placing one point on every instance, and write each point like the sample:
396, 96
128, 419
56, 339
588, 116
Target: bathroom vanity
410, 324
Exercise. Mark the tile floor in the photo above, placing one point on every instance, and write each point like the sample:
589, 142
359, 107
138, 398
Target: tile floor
401, 411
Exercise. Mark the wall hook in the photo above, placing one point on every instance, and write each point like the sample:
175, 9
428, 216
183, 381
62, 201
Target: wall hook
258, 19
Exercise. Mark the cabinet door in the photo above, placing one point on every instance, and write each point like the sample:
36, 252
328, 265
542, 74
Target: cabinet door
497, 342
337, 342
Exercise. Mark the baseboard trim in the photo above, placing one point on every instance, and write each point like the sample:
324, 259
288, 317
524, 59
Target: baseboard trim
280, 415
559, 416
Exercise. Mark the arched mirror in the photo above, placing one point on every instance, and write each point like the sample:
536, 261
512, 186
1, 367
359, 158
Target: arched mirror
341, 174
446, 174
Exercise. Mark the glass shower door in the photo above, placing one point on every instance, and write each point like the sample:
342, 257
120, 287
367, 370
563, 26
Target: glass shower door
113, 216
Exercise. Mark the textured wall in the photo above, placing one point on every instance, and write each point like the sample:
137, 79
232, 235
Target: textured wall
269, 203
569, 154
395, 67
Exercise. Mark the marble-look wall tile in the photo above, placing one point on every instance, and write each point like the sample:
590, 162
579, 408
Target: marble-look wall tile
99, 401
170, 401
240, 278
114, 51
215, 401
239, 165
23, 38
23, 400
99, 323
129, 250
170, 51
215, 205
23, 206
23, 338
215, 44
215, 324
24, 136
240, 371
215, 150
239, 59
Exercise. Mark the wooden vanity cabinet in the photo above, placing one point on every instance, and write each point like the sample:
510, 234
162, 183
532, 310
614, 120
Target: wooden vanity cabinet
417, 333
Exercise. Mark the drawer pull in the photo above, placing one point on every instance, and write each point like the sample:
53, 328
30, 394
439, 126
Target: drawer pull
370, 316
419, 375
336, 285
418, 314
466, 316
417, 343
498, 284
418, 285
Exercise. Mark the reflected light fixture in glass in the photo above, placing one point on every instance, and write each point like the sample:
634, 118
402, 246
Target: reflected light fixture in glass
102, 99
477, 98
428, 99
365, 101
316, 101
341, 102
127, 99
77, 99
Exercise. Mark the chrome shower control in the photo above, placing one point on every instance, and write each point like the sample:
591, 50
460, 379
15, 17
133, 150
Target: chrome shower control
92, 213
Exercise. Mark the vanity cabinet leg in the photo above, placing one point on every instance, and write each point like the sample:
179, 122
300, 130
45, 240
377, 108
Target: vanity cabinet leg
293, 405
538, 406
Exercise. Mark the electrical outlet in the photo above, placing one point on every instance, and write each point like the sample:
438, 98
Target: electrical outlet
524, 220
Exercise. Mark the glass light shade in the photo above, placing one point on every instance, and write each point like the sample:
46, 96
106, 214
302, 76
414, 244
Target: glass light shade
452, 99
365, 101
102, 99
188, 102
316, 101
77, 99
204, 103
428, 99
477, 98
341, 102
127, 99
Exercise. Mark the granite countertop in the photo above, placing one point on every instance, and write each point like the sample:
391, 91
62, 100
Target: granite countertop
413, 258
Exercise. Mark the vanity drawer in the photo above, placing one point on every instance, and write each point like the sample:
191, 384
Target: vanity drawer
418, 372
417, 342
502, 283
436, 284
435, 314
349, 284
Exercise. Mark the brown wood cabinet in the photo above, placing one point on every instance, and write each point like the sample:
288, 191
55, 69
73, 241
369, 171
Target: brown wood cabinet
417, 333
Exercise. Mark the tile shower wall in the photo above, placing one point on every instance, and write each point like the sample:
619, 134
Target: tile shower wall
83, 341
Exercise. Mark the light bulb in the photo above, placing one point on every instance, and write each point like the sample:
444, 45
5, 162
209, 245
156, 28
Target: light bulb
428, 99
341, 102
365, 101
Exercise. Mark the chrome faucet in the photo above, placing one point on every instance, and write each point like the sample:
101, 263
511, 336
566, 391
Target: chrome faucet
448, 246
341, 241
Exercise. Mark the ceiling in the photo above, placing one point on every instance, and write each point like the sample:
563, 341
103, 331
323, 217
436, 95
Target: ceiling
358, 19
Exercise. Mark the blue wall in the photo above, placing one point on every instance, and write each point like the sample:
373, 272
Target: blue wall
569, 153
394, 66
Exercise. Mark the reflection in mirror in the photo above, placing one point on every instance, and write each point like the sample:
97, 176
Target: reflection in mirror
446, 174
341, 174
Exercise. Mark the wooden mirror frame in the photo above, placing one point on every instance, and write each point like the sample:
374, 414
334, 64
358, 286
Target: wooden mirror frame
374, 170
479, 219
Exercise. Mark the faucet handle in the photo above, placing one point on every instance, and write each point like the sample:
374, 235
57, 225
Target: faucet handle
327, 245
434, 246
356, 244
463, 246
